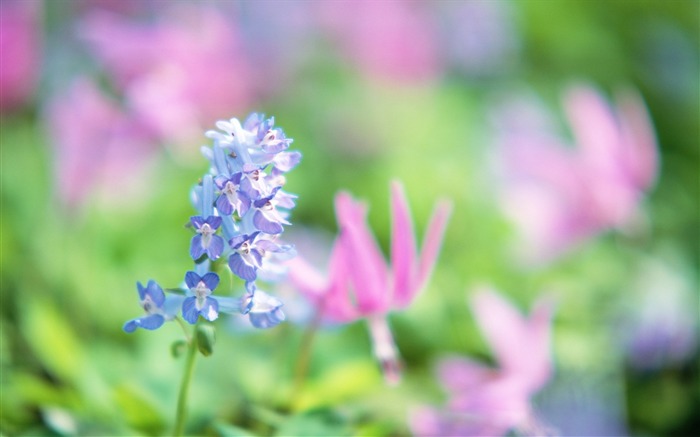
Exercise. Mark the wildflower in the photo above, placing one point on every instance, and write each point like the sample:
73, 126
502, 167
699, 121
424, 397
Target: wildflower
250, 210
206, 241
492, 401
264, 311
246, 258
95, 144
558, 196
152, 301
358, 267
231, 199
201, 302
173, 73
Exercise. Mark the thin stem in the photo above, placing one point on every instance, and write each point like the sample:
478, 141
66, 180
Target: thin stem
184, 387
184, 329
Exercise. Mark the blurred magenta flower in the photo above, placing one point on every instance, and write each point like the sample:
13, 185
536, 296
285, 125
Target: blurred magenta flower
360, 284
385, 39
491, 401
178, 73
96, 145
20, 51
558, 196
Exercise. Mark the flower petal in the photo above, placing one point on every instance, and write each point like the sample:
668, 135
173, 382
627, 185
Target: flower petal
223, 205
241, 268
216, 247
189, 310
367, 266
210, 309
403, 247
211, 280
155, 292
432, 241
196, 249
267, 226
192, 279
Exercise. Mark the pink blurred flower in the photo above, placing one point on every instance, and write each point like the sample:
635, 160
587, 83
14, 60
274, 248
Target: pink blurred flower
20, 51
558, 196
491, 401
360, 284
386, 39
98, 148
179, 73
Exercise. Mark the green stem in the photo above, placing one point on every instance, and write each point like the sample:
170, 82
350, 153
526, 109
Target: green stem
184, 387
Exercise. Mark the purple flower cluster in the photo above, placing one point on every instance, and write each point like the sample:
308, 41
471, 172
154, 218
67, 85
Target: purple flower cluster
242, 211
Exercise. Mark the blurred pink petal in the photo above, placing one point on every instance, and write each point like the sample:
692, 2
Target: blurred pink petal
403, 245
385, 39
98, 148
432, 242
20, 51
559, 196
491, 401
368, 270
179, 73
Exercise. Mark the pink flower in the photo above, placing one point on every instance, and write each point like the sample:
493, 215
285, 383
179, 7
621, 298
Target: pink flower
178, 74
20, 51
386, 39
360, 284
97, 146
559, 196
491, 401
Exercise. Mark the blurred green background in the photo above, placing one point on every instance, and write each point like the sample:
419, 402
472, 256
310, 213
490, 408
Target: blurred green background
68, 271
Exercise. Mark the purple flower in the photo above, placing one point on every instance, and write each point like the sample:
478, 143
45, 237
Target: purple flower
152, 300
201, 303
264, 311
246, 258
231, 199
206, 241
267, 218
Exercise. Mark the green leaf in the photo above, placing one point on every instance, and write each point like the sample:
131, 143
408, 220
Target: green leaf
139, 413
318, 422
228, 430
52, 340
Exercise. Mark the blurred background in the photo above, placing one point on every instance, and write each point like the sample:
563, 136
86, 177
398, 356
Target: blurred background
103, 108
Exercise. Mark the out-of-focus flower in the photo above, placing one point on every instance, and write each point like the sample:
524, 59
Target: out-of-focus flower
20, 51
360, 284
478, 36
158, 308
385, 39
178, 73
661, 325
492, 401
96, 145
558, 196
